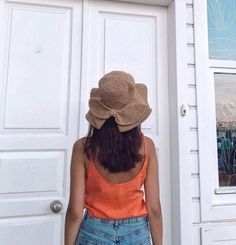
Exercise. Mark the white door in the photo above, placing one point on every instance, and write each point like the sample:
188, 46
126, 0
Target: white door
39, 103
133, 38
48, 64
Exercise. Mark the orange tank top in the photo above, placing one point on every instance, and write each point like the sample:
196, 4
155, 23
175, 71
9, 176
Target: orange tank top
108, 200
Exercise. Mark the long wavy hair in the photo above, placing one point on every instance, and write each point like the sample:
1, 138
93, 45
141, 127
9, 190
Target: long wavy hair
116, 151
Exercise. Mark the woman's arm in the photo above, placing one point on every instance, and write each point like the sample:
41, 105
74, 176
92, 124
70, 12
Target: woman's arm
74, 213
152, 196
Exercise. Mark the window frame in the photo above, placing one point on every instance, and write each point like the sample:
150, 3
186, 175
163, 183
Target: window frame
216, 202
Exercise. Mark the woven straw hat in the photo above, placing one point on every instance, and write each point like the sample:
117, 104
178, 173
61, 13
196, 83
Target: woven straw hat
118, 96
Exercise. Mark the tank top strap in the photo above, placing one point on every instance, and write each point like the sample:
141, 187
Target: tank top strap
145, 148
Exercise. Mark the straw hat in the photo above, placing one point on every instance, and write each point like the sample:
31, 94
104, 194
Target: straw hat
118, 96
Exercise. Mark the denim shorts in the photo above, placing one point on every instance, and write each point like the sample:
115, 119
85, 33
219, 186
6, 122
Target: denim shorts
128, 231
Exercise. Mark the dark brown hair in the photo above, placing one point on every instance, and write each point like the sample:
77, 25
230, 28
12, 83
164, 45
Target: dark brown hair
116, 151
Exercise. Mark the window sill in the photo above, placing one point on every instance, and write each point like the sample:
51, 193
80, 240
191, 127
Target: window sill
225, 190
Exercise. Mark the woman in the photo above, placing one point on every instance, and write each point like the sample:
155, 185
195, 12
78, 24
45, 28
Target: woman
109, 167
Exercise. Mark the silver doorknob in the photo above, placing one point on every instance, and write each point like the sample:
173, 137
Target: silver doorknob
56, 206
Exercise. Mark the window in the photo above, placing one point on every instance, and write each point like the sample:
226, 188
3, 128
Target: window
221, 15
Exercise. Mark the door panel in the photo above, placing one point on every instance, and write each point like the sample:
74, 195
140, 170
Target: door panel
28, 169
39, 91
38, 36
31, 230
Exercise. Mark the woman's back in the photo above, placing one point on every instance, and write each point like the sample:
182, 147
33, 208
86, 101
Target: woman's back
121, 176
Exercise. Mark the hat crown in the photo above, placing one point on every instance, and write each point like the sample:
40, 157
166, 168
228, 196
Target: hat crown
117, 89
120, 97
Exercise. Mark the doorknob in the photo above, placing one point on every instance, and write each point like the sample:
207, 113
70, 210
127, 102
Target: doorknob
56, 206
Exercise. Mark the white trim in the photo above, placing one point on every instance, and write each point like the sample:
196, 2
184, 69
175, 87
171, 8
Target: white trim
223, 63
180, 148
226, 190
202, 88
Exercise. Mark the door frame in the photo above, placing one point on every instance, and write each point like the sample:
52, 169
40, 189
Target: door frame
181, 194
179, 125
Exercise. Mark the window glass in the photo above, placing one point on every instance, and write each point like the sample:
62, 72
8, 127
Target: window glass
222, 29
225, 101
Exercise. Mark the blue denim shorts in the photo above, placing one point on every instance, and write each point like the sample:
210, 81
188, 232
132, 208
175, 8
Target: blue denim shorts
98, 231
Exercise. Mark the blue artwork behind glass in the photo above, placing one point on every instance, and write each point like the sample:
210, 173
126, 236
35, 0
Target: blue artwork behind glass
222, 29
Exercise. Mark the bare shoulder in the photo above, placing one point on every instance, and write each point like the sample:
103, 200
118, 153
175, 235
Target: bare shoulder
150, 141
79, 145
150, 145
